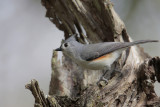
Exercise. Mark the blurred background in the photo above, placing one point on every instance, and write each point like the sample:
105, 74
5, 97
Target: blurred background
27, 39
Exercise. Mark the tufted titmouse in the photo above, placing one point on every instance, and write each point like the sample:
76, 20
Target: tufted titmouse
95, 56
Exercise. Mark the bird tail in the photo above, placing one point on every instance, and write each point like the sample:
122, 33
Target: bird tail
142, 41
128, 44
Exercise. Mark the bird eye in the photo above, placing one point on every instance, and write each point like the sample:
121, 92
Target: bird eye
66, 44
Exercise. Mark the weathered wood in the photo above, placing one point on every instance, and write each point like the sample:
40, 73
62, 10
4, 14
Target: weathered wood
72, 86
40, 100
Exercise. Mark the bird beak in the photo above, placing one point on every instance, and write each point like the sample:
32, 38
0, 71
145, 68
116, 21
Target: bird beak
58, 49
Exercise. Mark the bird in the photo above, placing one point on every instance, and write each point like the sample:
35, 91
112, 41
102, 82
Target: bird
97, 56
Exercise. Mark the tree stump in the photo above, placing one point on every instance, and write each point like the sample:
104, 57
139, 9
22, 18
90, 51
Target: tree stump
71, 86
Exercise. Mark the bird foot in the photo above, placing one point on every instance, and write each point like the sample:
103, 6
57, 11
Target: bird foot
103, 81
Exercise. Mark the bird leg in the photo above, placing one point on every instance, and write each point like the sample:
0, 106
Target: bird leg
103, 77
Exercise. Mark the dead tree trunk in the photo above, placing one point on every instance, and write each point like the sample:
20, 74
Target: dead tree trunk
70, 86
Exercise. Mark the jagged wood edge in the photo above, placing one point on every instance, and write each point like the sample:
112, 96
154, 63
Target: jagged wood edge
40, 100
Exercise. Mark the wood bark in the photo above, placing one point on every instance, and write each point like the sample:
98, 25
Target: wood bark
71, 86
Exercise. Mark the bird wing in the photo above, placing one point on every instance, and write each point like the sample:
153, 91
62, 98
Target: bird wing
93, 51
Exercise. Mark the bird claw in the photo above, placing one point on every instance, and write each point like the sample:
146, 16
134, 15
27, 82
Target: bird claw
104, 79
102, 82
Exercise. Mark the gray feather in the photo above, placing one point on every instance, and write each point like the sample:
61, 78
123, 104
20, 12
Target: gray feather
93, 51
